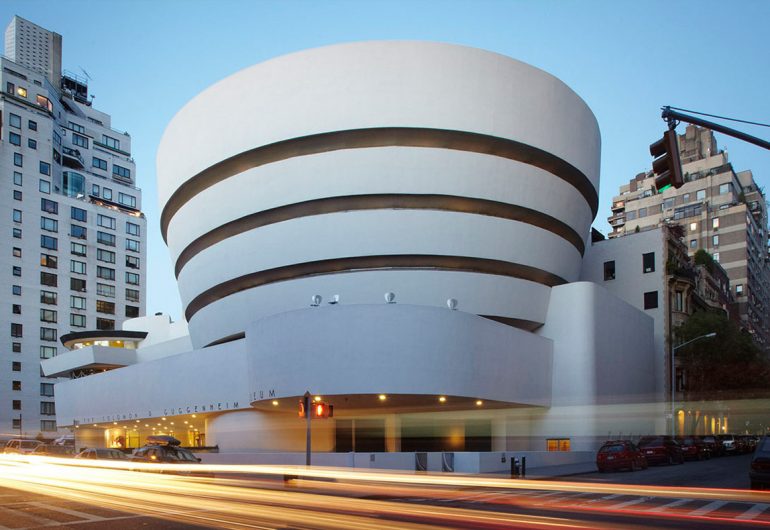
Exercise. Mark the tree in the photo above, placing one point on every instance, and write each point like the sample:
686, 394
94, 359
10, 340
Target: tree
727, 366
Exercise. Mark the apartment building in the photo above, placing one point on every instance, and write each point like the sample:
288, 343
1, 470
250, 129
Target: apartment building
74, 246
722, 211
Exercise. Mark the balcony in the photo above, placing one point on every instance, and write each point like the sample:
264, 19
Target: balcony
72, 158
619, 205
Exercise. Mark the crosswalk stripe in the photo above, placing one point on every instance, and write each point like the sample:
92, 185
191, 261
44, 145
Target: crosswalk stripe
607, 497
752, 512
673, 504
627, 503
710, 507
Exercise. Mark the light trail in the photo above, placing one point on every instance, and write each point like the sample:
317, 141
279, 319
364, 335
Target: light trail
255, 496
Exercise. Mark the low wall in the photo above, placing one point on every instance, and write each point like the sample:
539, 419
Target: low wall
539, 463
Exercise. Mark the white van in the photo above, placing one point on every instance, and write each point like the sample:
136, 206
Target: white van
21, 446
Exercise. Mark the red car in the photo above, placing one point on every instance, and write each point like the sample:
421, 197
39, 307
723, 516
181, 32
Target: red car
693, 448
661, 450
620, 454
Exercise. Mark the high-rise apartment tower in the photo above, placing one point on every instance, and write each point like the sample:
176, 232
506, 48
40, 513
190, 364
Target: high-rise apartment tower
72, 251
723, 212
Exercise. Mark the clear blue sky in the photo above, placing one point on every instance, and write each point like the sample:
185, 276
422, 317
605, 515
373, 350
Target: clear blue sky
147, 58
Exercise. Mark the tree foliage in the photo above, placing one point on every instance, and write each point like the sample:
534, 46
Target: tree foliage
727, 366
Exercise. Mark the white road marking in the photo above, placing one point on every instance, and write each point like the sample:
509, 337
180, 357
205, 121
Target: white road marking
710, 507
673, 504
628, 503
754, 511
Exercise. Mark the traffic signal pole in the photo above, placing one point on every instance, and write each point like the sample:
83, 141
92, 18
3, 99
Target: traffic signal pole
672, 117
308, 415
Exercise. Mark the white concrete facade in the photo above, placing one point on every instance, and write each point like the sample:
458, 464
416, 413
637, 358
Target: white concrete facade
461, 182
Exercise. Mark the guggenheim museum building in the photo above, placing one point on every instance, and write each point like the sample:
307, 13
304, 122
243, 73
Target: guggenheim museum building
398, 228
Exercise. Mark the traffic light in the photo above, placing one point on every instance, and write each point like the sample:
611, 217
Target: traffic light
318, 409
667, 166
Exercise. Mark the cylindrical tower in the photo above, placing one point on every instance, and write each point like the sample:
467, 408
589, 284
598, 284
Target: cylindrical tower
432, 171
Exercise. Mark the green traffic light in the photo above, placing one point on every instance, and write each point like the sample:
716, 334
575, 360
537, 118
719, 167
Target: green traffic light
664, 188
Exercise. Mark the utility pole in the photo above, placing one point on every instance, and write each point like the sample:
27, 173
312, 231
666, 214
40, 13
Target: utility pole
306, 405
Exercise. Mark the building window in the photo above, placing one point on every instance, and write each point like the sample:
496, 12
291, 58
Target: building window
79, 214
693, 227
132, 262
700, 195
49, 261
557, 444
105, 273
642, 212
107, 194
46, 389
49, 225
104, 238
77, 302
32, 125
121, 172
132, 295
79, 232
79, 140
724, 188
18, 160
49, 206
715, 240
651, 300
21, 92
77, 321
78, 285
102, 289
16, 310
106, 256
609, 270
105, 307
45, 103
51, 243
95, 190
17, 330
45, 168
105, 221
105, 323
46, 352
48, 297
16, 252
98, 163
14, 120
679, 301
132, 278
78, 249
17, 195
16, 347
16, 290
693, 243
16, 404
132, 229
47, 408
48, 315
46, 278
78, 267
630, 215
47, 425
44, 186
132, 311
739, 289
73, 184
48, 334
17, 233
110, 142
14, 139
16, 270
648, 262
132, 245
17, 216
16, 386
715, 223
17, 178
127, 200
16, 366
76, 127
716, 256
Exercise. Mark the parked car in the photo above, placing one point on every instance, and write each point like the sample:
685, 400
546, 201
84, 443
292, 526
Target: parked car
61, 451
620, 454
661, 449
729, 446
98, 453
693, 448
746, 443
19, 446
167, 450
714, 444
759, 474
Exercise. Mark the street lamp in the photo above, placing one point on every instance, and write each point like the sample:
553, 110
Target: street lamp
673, 376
